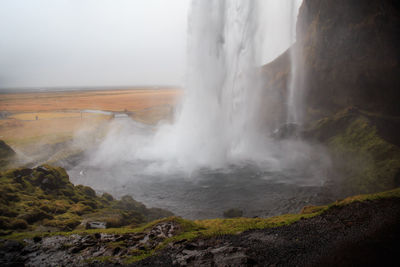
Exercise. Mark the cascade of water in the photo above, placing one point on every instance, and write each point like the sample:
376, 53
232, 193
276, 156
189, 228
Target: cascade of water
218, 120
295, 84
215, 115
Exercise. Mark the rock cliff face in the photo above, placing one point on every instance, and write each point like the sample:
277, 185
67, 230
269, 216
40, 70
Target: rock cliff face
351, 55
348, 62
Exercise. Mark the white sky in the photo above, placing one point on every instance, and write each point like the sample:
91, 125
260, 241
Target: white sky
92, 42
67, 43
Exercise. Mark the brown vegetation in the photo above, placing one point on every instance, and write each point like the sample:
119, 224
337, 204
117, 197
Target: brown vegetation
51, 117
111, 100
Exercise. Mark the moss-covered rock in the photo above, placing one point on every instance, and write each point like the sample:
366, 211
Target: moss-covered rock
44, 197
364, 158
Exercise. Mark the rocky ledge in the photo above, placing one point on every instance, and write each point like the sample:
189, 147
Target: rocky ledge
358, 231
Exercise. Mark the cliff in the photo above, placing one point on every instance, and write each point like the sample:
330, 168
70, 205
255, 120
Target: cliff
348, 67
351, 55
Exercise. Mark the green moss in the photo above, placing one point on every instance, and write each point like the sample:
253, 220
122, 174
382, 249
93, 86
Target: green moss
363, 161
45, 196
107, 197
367, 162
86, 190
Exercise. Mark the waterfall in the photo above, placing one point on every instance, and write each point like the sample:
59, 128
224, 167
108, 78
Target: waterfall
295, 84
218, 120
216, 117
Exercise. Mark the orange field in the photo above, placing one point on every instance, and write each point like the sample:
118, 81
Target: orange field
56, 116
110, 100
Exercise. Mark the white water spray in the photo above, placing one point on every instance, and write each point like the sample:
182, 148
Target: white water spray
219, 122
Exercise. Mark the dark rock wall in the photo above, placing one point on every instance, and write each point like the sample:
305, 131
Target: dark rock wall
351, 51
348, 62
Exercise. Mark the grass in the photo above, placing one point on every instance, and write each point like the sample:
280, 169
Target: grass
364, 161
371, 162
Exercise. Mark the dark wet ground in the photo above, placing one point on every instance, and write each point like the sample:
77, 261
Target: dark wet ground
360, 234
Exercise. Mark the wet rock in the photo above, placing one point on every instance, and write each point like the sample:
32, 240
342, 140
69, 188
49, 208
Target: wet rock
97, 235
11, 245
37, 239
287, 130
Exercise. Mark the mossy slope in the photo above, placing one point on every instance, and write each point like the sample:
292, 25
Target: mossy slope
365, 156
31, 199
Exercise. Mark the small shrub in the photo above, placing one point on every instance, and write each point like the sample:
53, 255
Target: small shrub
107, 197
35, 215
86, 190
80, 209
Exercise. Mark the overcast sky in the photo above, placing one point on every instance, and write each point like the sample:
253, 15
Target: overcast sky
92, 42
67, 43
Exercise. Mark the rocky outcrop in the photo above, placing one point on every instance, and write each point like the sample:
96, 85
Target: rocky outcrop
350, 55
364, 149
359, 231
6, 154
85, 249
361, 234
44, 199
275, 76
348, 68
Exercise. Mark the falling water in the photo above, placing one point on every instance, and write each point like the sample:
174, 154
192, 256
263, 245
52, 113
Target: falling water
219, 119
218, 153
294, 110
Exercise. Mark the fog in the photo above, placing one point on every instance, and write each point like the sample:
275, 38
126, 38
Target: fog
52, 43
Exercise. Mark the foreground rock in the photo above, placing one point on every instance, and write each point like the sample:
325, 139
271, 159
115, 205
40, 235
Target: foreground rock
360, 234
359, 231
85, 249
